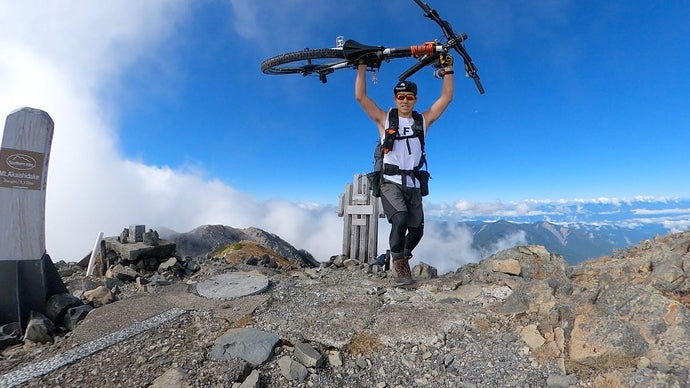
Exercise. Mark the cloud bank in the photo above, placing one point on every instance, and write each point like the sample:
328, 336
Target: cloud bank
63, 66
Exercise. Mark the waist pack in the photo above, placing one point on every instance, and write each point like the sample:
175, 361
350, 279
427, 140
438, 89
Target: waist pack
375, 178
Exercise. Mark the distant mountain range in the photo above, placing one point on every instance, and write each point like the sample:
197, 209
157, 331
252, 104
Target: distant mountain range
576, 242
577, 229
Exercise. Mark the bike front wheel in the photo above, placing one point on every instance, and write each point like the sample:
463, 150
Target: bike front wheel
306, 62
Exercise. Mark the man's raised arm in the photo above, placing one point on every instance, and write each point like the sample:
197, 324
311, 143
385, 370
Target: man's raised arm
370, 108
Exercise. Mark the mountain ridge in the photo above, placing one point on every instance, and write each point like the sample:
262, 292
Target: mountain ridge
576, 242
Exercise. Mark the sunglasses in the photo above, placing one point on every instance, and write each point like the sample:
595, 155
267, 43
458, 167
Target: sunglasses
409, 97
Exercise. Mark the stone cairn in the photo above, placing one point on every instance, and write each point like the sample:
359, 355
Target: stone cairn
136, 257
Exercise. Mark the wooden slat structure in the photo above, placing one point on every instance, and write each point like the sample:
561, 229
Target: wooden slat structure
360, 211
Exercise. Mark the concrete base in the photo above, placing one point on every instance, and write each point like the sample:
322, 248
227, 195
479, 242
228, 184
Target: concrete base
26, 285
138, 250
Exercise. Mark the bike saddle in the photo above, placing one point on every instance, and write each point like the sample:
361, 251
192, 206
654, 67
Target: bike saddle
353, 50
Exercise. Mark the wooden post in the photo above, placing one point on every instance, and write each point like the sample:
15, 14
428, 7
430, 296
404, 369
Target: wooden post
27, 275
23, 172
361, 211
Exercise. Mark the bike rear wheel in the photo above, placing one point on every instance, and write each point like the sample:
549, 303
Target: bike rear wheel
305, 62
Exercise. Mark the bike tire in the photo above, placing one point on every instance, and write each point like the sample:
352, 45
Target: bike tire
303, 62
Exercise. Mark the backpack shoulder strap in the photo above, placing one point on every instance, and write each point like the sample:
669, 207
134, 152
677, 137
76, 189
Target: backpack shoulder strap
418, 129
393, 121
418, 126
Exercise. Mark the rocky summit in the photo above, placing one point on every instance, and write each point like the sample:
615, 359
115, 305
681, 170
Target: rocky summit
248, 317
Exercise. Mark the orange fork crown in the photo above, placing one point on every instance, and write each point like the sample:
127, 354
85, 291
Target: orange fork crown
423, 49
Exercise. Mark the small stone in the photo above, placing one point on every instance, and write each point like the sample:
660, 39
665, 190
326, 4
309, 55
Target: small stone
335, 358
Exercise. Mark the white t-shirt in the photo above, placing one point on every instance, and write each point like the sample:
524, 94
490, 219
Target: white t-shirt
406, 153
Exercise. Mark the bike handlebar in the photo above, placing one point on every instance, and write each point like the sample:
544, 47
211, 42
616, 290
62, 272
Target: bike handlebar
455, 42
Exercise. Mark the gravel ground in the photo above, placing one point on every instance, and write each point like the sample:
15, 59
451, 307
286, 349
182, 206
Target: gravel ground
480, 350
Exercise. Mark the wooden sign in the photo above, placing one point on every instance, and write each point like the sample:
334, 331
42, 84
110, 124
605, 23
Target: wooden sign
24, 156
27, 275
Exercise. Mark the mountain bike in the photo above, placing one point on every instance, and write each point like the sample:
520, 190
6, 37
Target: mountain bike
349, 54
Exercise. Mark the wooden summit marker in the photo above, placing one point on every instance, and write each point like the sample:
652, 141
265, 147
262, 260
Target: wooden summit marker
27, 275
23, 172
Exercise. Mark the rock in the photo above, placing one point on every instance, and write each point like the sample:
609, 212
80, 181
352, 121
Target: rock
126, 274
595, 336
58, 305
291, 369
39, 329
335, 358
111, 283
533, 296
99, 296
424, 271
158, 280
252, 381
150, 238
149, 263
124, 236
192, 266
339, 261
561, 381
530, 334
507, 266
168, 264
307, 355
172, 378
252, 345
77, 286
642, 321
74, 315
535, 262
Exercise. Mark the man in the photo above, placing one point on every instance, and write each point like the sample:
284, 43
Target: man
401, 196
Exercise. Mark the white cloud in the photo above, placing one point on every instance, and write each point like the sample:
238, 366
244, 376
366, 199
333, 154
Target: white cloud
445, 247
517, 238
449, 246
478, 208
290, 23
61, 65
648, 212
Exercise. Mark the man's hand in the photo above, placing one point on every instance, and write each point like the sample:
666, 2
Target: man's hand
446, 60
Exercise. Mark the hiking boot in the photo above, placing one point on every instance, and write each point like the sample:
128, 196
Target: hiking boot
403, 275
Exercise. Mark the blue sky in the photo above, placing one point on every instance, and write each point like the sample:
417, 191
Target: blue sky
584, 99
164, 118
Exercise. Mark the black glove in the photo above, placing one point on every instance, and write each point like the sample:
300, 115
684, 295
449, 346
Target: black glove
371, 60
446, 60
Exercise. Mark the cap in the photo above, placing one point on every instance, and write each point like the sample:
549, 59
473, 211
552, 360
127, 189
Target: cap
405, 86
